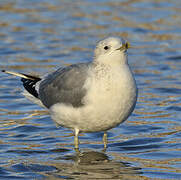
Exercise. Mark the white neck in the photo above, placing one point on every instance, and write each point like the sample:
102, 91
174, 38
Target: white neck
115, 59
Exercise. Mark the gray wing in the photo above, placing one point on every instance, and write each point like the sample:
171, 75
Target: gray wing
64, 86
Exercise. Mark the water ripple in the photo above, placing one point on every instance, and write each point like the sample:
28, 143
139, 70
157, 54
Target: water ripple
39, 37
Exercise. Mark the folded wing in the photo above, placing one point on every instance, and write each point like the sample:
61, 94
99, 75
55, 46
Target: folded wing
64, 86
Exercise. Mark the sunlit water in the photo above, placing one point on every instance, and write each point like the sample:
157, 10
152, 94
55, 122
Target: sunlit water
38, 36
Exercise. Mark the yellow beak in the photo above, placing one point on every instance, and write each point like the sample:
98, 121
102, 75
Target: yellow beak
124, 46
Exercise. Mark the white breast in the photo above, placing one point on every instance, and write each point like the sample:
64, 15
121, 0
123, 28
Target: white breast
110, 100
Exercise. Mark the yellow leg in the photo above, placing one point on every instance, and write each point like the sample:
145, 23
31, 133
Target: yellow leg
76, 139
105, 140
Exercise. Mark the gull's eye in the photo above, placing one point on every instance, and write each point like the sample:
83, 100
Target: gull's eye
106, 47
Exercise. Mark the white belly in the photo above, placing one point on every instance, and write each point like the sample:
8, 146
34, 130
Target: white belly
110, 100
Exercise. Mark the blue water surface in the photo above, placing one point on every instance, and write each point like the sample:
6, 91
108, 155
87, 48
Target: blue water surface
39, 36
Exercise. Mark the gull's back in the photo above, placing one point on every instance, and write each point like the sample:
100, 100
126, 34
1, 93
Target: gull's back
64, 86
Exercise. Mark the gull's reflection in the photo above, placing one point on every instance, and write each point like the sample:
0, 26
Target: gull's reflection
89, 157
93, 165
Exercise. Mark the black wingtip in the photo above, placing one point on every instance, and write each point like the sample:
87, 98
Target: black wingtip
3, 70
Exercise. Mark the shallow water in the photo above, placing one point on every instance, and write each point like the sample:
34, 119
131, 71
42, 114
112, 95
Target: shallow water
38, 36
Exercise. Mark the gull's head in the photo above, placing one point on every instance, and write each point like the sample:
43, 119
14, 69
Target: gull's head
111, 50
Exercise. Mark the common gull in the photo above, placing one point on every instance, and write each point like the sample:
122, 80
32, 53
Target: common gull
88, 97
